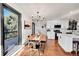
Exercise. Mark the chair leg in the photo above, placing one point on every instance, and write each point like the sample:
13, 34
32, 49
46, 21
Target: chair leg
77, 49
39, 52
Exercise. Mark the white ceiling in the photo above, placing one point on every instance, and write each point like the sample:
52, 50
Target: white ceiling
49, 10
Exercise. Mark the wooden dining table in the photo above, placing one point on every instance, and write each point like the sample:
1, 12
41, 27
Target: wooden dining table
41, 38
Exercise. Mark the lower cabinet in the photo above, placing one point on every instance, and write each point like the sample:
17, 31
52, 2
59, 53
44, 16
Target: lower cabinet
65, 41
51, 35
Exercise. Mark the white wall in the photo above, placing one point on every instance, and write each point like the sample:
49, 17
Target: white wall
50, 25
38, 27
25, 32
63, 23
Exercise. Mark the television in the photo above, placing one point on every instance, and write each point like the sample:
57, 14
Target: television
57, 26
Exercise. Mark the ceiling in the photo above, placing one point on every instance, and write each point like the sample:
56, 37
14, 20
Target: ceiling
49, 10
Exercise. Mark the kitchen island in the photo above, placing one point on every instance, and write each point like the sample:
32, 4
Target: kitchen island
66, 41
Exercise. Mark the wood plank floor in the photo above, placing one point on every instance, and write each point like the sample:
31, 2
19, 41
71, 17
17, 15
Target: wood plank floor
52, 49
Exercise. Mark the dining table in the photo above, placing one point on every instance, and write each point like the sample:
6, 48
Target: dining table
38, 38
35, 38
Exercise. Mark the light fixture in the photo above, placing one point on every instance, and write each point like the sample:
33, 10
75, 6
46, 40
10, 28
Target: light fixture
37, 17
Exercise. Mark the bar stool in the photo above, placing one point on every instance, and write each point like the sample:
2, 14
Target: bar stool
76, 45
78, 48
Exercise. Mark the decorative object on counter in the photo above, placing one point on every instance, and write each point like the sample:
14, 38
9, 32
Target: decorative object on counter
68, 32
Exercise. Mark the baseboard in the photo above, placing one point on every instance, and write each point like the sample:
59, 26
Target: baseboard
14, 54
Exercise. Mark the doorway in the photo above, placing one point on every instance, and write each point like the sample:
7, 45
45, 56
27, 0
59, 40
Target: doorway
33, 28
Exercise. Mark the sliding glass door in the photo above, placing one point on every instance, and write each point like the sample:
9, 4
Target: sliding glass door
11, 29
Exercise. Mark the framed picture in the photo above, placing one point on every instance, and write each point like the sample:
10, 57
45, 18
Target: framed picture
27, 24
11, 28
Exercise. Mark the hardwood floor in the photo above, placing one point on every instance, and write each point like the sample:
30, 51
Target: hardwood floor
52, 49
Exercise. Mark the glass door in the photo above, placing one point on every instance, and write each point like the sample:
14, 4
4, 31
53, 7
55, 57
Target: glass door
11, 29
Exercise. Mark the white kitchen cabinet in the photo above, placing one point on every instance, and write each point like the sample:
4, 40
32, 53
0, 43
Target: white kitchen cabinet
66, 42
51, 34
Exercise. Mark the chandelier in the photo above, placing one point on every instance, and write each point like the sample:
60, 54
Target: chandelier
37, 17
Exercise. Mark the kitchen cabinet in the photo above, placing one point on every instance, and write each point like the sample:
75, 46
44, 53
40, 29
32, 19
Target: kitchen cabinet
51, 34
